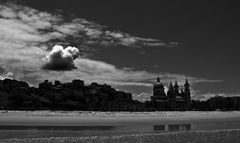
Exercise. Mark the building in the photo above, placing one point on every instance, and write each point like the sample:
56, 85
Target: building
175, 99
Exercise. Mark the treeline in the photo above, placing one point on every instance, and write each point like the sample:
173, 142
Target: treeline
217, 103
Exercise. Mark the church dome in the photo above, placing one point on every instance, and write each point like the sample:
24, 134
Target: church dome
159, 84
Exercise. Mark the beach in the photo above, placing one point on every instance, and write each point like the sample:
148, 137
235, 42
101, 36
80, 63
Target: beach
222, 136
83, 126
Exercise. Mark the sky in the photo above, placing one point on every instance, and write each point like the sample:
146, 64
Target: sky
126, 44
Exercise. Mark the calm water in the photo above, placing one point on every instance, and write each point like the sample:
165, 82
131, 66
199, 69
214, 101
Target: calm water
38, 131
19, 125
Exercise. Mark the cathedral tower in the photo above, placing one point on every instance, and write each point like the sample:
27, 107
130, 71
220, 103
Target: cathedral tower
176, 89
159, 94
171, 96
170, 92
158, 88
187, 93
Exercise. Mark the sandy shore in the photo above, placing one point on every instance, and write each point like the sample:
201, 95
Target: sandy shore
217, 136
134, 127
166, 114
99, 118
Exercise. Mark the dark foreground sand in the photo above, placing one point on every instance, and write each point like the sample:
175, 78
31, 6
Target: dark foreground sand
215, 136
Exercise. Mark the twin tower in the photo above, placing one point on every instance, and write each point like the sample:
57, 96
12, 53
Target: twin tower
175, 99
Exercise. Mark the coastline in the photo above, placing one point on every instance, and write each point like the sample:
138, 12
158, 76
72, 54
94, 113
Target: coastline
99, 118
219, 136
118, 126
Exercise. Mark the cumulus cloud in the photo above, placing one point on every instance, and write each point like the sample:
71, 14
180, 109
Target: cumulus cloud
26, 35
60, 59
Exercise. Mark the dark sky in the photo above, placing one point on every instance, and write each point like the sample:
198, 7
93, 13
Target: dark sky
207, 33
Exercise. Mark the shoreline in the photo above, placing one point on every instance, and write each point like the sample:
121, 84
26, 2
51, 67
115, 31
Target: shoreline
106, 113
220, 136
57, 126
112, 118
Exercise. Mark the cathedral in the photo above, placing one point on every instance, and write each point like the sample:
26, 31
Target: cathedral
175, 99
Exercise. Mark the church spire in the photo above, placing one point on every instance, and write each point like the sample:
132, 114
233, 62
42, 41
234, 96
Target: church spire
176, 84
176, 88
171, 86
186, 83
158, 79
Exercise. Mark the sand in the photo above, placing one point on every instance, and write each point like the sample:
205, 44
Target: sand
99, 118
217, 136
205, 126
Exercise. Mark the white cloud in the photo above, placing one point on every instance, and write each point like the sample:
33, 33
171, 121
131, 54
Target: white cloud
142, 97
9, 75
25, 34
60, 59
25, 24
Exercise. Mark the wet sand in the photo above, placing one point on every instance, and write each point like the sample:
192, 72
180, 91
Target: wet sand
112, 118
216, 136
77, 125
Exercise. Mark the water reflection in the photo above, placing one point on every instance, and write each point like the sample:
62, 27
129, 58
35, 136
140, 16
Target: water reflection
68, 128
172, 127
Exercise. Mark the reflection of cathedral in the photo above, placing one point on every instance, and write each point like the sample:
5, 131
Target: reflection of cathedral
174, 100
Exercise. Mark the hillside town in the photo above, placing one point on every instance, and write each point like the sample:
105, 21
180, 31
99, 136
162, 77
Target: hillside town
75, 95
